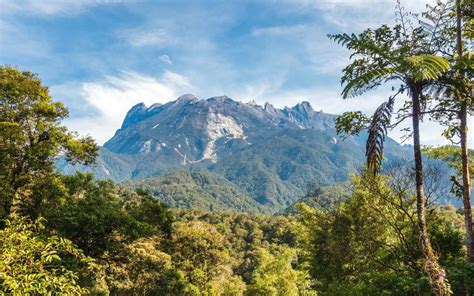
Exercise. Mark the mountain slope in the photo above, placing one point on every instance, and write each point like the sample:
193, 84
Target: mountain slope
198, 189
271, 155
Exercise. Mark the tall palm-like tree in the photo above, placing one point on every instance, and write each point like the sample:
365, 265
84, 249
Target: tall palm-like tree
454, 91
396, 54
465, 101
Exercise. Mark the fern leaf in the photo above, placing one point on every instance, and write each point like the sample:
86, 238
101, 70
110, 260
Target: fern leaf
427, 67
376, 135
366, 81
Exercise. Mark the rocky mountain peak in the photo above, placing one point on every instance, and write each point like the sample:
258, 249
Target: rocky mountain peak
219, 99
136, 111
187, 97
154, 106
269, 108
191, 129
268, 152
303, 107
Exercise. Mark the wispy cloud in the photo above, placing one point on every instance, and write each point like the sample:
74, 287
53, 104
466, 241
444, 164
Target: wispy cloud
155, 37
278, 30
111, 98
47, 7
165, 59
356, 15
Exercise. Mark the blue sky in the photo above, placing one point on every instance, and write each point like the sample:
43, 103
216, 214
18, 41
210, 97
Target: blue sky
102, 57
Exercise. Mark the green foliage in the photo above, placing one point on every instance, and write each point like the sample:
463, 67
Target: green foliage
140, 268
199, 251
403, 54
32, 263
387, 54
368, 245
98, 216
460, 275
323, 197
31, 137
274, 273
208, 254
351, 123
201, 189
451, 155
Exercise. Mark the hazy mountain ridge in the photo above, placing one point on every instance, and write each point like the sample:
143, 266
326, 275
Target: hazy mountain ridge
272, 155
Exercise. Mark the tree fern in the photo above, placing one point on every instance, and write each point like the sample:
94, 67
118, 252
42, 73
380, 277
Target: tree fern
377, 132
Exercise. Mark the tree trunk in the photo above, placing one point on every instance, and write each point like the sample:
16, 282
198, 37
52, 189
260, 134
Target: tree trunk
466, 186
431, 267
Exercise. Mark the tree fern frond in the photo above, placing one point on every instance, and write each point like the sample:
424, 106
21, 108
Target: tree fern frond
342, 39
376, 135
366, 81
427, 67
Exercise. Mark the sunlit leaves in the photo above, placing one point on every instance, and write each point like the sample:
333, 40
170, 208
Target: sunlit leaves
452, 156
429, 67
33, 264
274, 273
31, 137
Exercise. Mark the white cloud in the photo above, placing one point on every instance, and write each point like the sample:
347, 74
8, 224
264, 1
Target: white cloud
430, 133
46, 7
411, 5
278, 30
357, 15
112, 97
165, 59
140, 38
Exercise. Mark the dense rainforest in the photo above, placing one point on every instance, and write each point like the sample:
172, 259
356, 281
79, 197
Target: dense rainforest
380, 233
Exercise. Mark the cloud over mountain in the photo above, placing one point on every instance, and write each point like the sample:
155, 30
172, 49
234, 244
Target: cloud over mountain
114, 95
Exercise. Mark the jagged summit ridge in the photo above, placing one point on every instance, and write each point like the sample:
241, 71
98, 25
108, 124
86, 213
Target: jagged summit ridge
304, 109
198, 129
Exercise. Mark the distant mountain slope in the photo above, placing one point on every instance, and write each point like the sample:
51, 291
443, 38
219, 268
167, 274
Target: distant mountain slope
109, 165
271, 155
198, 189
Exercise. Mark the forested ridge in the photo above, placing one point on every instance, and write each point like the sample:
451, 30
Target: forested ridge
382, 232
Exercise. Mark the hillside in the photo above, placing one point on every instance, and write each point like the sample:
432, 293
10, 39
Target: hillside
198, 189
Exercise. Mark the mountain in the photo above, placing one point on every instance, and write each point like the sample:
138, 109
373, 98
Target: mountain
274, 156
190, 130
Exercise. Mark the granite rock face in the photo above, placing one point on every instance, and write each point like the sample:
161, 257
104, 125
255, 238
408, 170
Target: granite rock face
197, 130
